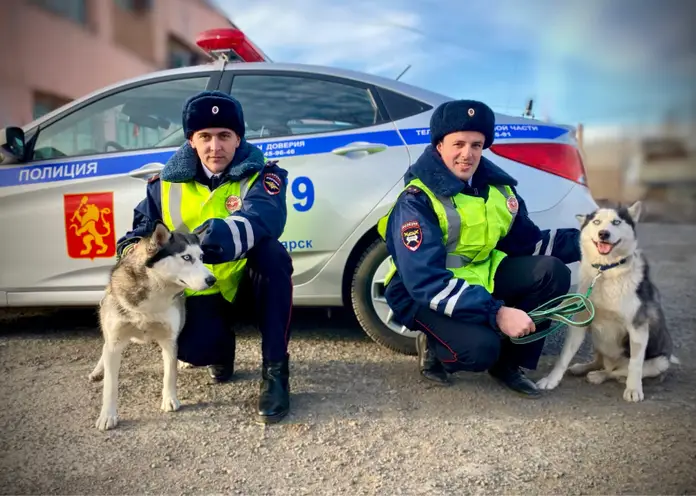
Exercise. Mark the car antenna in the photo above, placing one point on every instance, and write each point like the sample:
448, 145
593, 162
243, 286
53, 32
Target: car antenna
403, 72
528, 109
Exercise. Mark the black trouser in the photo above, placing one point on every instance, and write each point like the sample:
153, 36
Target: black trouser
521, 282
265, 295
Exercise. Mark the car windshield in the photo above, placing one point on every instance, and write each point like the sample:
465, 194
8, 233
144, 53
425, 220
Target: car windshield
138, 118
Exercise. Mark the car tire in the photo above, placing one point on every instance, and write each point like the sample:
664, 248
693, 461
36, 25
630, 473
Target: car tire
364, 308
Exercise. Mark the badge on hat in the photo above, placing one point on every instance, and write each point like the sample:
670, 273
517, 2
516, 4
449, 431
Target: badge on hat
216, 109
412, 235
272, 183
233, 204
512, 204
471, 112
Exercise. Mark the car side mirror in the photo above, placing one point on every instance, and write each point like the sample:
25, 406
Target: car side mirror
12, 142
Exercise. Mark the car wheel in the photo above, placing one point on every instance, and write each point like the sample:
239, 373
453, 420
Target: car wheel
370, 305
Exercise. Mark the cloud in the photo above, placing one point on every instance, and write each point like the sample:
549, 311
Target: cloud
353, 34
622, 36
578, 59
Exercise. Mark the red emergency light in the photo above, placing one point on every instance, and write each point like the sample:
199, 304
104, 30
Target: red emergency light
217, 41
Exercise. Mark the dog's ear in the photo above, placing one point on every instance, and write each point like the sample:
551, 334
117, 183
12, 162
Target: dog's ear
581, 218
160, 236
635, 210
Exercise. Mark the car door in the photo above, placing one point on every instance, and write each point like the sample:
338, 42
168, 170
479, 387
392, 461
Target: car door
341, 152
63, 211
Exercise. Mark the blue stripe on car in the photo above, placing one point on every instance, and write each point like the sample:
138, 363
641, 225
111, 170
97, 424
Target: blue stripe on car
117, 164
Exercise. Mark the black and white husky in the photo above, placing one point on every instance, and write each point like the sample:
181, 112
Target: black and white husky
629, 333
144, 302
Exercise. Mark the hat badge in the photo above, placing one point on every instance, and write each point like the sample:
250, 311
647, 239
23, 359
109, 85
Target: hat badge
471, 112
215, 109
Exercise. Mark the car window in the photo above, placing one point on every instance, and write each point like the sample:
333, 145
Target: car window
141, 117
293, 105
401, 106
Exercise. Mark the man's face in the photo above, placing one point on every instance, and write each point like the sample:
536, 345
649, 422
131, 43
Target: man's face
215, 147
461, 152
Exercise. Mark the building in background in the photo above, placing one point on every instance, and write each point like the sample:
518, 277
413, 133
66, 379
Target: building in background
54, 51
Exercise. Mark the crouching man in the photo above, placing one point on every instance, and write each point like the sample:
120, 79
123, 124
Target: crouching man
467, 263
222, 188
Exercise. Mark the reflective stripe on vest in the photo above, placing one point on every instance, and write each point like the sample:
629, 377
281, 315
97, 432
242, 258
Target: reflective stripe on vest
454, 225
176, 204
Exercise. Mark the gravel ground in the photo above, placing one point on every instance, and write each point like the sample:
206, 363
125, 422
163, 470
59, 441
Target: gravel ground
362, 422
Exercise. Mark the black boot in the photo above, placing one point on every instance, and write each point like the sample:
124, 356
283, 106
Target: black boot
513, 378
274, 397
221, 372
430, 367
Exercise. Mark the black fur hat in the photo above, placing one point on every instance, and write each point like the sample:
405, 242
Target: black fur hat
212, 109
462, 115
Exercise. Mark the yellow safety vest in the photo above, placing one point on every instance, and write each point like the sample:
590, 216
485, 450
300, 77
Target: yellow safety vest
471, 228
185, 206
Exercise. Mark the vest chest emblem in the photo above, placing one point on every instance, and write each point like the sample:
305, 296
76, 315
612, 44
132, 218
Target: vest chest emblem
233, 203
512, 204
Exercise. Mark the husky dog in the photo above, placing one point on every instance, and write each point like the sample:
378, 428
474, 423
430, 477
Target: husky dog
144, 302
629, 333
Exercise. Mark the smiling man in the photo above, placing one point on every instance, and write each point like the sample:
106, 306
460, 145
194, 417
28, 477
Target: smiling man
466, 267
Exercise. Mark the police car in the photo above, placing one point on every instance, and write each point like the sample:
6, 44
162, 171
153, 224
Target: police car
69, 181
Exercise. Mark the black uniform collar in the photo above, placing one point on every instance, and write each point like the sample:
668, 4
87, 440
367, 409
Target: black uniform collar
185, 165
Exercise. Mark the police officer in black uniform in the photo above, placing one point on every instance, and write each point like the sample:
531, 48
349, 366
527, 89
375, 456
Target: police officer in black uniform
468, 286
216, 155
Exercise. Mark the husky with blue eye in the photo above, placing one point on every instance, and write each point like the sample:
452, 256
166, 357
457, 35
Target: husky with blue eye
629, 333
144, 302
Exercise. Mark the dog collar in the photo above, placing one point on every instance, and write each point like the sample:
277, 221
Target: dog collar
602, 268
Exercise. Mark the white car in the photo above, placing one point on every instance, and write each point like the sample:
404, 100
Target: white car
70, 180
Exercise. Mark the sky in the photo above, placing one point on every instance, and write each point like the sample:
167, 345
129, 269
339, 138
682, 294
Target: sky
596, 62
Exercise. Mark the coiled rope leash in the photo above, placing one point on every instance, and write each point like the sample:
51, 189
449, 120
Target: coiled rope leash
572, 303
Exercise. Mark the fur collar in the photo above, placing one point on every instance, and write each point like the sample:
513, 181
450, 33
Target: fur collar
430, 169
181, 167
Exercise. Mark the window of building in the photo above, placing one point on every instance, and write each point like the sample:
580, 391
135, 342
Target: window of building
181, 55
137, 118
45, 103
293, 105
136, 6
75, 10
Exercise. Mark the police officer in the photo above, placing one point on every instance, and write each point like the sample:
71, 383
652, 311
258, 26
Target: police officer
468, 262
221, 187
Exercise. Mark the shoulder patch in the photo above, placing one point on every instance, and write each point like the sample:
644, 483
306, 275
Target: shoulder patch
272, 183
414, 190
153, 178
412, 235
271, 163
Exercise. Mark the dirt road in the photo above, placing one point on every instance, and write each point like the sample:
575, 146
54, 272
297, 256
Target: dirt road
361, 423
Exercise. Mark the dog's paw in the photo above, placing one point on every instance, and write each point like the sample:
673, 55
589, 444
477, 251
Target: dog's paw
96, 376
170, 404
596, 377
106, 421
184, 365
549, 382
633, 395
578, 369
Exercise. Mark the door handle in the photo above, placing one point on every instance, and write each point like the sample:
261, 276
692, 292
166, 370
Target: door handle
360, 146
147, 170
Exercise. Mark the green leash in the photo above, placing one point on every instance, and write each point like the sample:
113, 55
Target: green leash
562, 313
